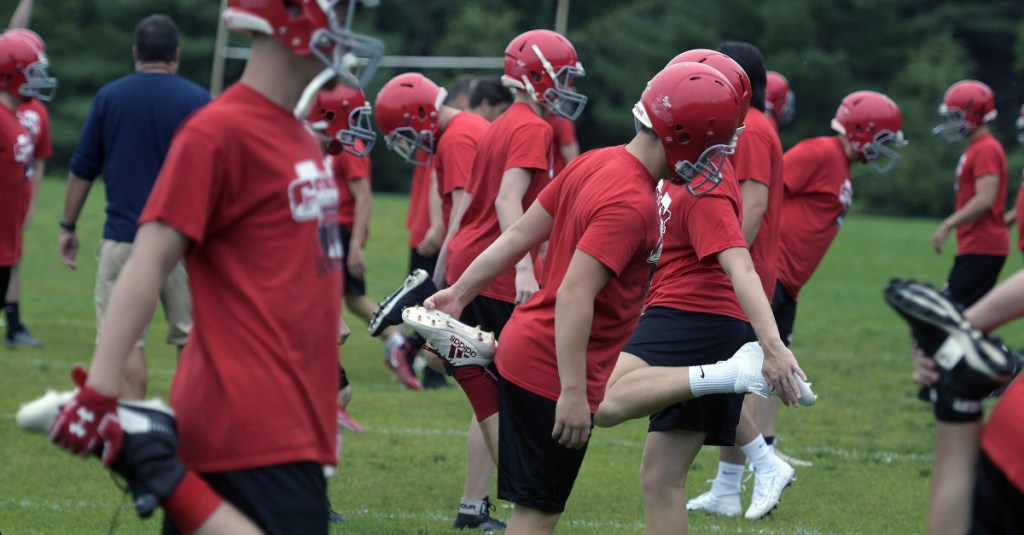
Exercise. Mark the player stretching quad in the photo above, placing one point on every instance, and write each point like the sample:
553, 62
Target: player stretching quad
557, 350
982, 237
245, 197
445, 138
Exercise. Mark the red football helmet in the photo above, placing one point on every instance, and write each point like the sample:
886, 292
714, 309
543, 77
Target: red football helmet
543, 63
966, 105
779, 98
729, 68
23, 70
406, 110
872, 123
694, 110
319, 27
28, 35
342, 115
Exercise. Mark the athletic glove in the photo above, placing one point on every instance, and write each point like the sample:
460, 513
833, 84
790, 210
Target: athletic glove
88, 423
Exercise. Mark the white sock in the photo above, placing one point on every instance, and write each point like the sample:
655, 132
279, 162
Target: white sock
395, 340
759, 453
728, 479
471, 507
718, 378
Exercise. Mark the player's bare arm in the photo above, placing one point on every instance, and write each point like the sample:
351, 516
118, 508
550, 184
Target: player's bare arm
755, 203
355, 257
74, 200
779, 362
458, 208
509, 206
434, 237
986, 190
574, 316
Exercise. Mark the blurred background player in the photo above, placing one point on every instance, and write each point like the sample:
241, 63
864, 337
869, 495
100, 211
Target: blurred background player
566, 145
125, 139
36, 119
757, 162
982, 237
780, 101
259, 230
410, 111
1016, 213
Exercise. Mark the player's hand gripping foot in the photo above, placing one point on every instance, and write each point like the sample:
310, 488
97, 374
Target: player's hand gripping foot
749, 360
455, 342
972, 364
413, 291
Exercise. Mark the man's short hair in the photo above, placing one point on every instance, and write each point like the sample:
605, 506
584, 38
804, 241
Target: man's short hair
491, 90
156, 39
751, 60
463, 85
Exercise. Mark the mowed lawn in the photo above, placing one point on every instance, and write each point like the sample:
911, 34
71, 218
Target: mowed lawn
870, 440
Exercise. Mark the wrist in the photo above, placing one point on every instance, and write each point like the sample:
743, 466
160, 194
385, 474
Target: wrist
67, 227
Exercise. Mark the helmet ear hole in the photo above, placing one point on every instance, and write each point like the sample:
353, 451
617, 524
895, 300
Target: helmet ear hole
535, 76
421, 113
683, 138
330, 115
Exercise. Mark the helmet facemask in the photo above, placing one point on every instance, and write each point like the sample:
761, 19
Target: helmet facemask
956, 126
562, 98
704, 175
360, 128
406, 140
881, 153
789, 109
38, 82
343, 50
1020, 126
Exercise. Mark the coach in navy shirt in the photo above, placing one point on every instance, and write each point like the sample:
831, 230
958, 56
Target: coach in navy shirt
125, 139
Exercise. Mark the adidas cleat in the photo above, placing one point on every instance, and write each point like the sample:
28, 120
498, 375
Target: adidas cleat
413, 291
455, 342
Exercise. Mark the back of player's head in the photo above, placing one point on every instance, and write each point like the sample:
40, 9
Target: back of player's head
407, 112
694, 111
873, 125
750, 59
491, 91
544, 64
732, 71
342, 116
779, 98
23, 70
319, 28
966, 106
156, 39
460, 90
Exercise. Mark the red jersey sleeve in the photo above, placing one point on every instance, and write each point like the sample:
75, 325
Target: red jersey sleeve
44, 148
456, 163
548, 197
752, 160
614, 235
798, 165
713, 225
185, 194
564, 130
987, 161
530, 147
349, 167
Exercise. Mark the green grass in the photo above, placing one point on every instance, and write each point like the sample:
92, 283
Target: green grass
869, 439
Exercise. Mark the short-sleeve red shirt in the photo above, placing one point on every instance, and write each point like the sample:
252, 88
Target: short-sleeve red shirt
36, 119
348, 168
818, 194
1019, 209
518, 138
257, 382
417, 221
987, 235
758, 157
604, 204
564, 132
16, 151
1004, 433
456, 150
689, 276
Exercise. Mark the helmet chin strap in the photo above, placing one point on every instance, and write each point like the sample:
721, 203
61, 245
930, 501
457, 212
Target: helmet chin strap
311, 91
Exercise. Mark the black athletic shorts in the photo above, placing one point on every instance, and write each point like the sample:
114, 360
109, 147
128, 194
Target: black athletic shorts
282, 499
972, 276
670, 337
5, 279
490, 314
418, 261
534, 470
784, 308
998, 504
353, 286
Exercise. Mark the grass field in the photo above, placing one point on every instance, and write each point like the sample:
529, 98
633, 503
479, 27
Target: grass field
868, 437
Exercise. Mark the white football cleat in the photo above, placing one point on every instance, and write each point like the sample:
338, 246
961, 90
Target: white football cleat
728, 505
750, 359
768, 487
455, 342
37, 416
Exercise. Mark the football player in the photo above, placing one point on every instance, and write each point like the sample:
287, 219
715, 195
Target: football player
780, 101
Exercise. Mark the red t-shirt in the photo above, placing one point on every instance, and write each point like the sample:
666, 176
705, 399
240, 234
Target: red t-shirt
348, 168
689, 276
758, 157
36, 119
257, 383
518, 138
417, 221
1019, 208
16, 151
987, 235
564, 132
1004, 433
818, 194
456, 150
604, 204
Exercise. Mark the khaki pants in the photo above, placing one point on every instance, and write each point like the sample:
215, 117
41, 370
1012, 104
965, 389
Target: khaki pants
174, 295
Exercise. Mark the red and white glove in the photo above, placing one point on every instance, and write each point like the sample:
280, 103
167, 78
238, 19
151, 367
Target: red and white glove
88, 422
